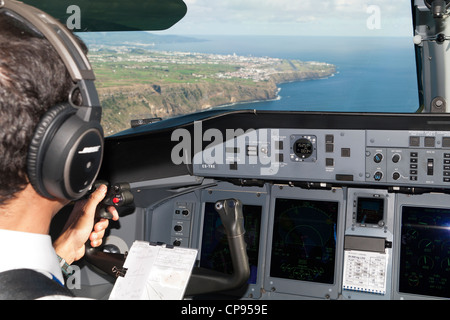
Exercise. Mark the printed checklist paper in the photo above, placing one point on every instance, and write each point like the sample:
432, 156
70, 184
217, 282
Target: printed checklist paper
365, 271
154, 272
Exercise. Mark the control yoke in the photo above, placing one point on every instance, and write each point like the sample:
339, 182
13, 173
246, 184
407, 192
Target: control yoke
202, 280
119, 195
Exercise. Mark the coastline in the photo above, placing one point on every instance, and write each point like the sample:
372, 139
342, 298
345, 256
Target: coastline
277, 94
277, 97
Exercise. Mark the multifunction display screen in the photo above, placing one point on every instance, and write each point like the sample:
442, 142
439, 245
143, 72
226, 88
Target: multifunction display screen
425, 251
370, 210
304, 240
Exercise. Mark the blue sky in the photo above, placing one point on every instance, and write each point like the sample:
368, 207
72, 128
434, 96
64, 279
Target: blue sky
297, 17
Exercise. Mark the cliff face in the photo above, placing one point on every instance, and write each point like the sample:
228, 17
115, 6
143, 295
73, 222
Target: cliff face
147, 101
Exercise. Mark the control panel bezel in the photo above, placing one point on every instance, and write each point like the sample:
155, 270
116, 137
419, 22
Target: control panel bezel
394, 158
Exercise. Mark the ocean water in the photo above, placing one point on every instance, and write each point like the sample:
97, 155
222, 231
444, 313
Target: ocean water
373, 74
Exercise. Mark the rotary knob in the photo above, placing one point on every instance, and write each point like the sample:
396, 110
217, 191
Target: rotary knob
378, 157
378, 176
396, 158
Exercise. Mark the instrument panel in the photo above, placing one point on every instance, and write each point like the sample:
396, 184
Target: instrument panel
335, 238
334, 207
343, 243
371, 157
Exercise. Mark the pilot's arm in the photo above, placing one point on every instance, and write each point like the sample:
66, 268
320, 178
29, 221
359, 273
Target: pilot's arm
80, 227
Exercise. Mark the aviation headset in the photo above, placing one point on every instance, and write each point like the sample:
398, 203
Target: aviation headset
66, 150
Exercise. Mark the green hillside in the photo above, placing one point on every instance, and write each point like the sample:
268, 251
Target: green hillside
139, 83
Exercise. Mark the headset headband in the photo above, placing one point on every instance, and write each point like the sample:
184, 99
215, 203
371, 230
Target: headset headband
68, 49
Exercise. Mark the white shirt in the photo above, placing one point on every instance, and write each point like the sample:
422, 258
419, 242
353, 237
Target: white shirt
22, 250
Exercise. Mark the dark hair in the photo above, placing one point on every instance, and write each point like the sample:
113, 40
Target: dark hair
32, 79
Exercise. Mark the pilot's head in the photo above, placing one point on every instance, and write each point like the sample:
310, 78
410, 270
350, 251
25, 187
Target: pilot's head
33, 78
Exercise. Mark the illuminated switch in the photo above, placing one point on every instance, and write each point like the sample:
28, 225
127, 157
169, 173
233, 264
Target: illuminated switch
446, 142
430, 142
329, 143
329, 162
414, 141
329, 147
345, 152
279, 145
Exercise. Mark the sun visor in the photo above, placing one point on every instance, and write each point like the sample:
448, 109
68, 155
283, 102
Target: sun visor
114, 15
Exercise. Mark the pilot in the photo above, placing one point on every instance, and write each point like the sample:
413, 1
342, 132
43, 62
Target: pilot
33, 78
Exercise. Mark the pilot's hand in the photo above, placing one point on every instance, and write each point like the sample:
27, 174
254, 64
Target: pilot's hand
80, 227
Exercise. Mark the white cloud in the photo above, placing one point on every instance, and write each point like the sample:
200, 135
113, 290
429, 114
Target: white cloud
289, 16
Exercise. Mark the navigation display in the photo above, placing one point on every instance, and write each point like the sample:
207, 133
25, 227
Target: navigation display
304, 240
425, 251
215, 253
370, 210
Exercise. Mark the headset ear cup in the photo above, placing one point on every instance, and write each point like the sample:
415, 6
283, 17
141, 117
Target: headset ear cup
73, 158
43, 135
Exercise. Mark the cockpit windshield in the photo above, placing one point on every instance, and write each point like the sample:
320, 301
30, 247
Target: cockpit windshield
307, 55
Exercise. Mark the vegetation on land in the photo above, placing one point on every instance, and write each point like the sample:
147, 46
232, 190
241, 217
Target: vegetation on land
136, 83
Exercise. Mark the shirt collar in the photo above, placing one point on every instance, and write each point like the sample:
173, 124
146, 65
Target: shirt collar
22, 250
